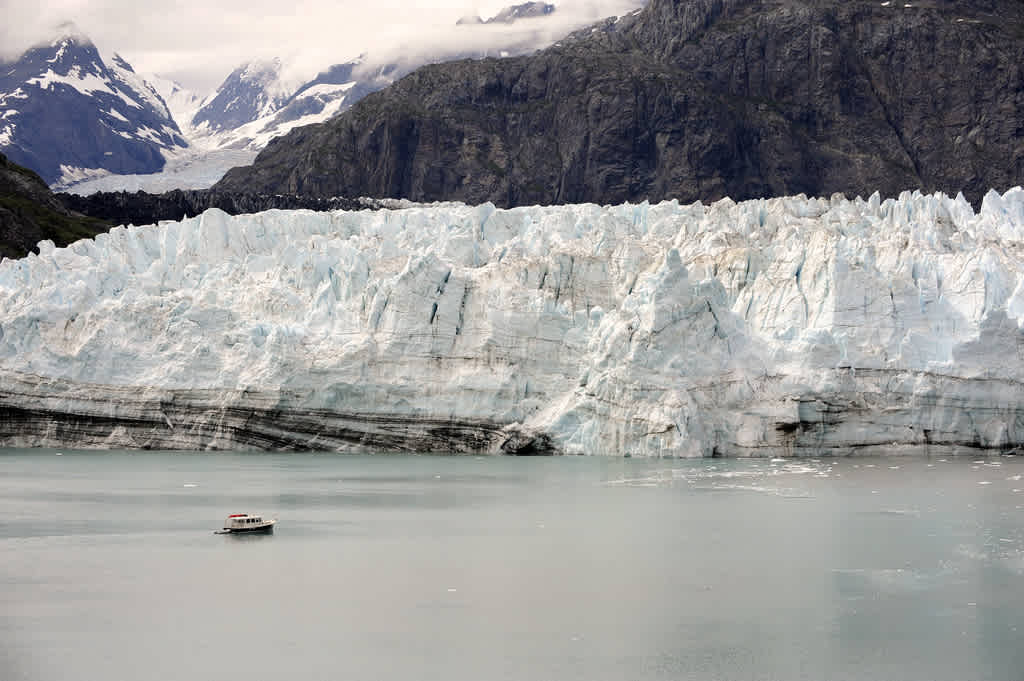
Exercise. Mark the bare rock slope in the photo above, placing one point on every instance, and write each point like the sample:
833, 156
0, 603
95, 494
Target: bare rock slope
692, 99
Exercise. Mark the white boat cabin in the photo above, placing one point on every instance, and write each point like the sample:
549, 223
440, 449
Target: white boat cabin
244, 522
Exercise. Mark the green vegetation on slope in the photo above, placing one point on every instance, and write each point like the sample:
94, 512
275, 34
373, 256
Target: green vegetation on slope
30, 213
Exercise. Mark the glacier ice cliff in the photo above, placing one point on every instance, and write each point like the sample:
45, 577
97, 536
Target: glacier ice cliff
788, 326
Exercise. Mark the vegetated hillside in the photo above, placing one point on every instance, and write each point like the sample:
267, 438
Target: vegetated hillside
30, 213
692, 99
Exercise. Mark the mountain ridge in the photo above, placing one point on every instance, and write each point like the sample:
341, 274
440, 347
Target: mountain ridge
69, 111
694, 100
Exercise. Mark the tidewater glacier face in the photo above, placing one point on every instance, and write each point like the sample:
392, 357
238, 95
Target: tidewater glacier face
774, 327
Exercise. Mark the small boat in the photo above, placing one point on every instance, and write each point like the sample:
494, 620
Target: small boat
240, 523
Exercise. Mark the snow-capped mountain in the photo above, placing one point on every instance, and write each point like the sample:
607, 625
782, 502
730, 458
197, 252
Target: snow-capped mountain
67, 112
251, 91
264, 99
527, 10
261, 100
258, 102
230, 126
181, 102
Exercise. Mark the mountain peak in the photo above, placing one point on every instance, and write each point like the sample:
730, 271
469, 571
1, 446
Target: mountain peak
510, 14
257, 69
526, 10
254, 89
65, 45
67, 33
69, 112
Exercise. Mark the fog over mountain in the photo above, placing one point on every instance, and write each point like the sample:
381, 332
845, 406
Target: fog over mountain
199, 43
690, 100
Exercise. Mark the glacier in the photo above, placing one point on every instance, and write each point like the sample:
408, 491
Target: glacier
778, 327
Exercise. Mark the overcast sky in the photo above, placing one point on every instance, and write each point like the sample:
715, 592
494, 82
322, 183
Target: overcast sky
198, 42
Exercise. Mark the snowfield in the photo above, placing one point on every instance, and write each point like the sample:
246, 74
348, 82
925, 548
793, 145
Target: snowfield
788, 326
186, 169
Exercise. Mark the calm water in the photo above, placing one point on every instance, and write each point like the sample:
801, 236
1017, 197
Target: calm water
485, 569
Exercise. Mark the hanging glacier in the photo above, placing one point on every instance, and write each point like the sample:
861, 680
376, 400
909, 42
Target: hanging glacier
788, 326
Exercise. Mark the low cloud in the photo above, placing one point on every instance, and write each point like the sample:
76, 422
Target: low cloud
199, 42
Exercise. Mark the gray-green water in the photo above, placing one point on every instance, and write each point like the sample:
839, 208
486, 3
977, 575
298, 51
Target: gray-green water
484, 569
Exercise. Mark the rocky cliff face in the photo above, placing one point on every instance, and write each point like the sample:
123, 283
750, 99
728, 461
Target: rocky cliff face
692, 99
29, 213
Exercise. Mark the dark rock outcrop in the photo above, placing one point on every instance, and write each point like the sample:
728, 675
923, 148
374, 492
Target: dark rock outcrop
140, 208
29, 213
692, 99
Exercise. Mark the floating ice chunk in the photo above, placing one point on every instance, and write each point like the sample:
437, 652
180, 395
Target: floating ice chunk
901, 511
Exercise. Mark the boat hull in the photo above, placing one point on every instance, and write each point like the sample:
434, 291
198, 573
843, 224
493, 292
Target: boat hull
262, 529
